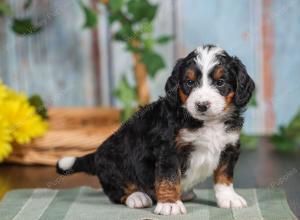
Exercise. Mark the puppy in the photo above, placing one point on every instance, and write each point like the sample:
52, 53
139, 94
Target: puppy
171, 145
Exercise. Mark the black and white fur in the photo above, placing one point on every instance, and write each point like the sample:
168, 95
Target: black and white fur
181, 139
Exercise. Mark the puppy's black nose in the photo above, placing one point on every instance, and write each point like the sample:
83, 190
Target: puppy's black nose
202, 106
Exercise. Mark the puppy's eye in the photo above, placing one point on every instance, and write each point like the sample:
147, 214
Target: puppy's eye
220, 82
190, 83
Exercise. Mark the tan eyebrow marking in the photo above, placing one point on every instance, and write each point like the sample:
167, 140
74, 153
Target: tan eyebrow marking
191, 74
218, 73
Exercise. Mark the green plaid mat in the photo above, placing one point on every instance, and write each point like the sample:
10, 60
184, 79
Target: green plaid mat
87, 203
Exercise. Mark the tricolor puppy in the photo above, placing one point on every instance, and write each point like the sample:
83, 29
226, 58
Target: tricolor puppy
169, 146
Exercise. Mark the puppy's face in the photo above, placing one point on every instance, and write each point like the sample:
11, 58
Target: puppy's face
210, 83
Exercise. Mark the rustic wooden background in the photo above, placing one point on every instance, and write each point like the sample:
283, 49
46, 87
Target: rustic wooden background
70, 66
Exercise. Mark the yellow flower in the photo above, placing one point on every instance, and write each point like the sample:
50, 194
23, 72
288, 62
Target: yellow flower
19, 120
5, 138
7, 93
3, 92
24, 122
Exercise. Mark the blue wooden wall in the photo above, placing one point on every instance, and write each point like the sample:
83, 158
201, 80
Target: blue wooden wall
56, 62
60, 63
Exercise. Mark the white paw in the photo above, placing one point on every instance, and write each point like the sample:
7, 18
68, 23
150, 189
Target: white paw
228, 198
170, 208
138, 200
232, 200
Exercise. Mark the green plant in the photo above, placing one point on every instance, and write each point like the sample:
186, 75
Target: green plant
134, 19
287, 139
91, 19
20, 26
127, 95
250, 142
36, 101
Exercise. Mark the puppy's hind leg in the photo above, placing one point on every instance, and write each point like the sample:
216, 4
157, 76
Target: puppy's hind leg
128, 194
119, 190
138, 200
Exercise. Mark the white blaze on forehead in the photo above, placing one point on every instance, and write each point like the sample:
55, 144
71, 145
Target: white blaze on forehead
207, 58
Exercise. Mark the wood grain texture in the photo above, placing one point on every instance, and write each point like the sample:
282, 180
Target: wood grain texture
58, 63
267, 68
72, 132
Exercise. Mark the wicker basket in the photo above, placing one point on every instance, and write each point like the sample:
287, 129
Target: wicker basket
72, 132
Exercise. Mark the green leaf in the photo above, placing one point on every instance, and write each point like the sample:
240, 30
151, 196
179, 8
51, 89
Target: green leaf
24, 26
253, 102
5, 9
288, 138
115, 5
126, 113
153, 61
146, 27
283, 144
27, 4
164, 39
125, 34
126, 94
37, 102
91, 18
142, 9
133, 49
294, 124
114, 17
149, 43
249, 142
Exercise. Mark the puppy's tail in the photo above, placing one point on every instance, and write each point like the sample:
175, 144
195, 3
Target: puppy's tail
70, 165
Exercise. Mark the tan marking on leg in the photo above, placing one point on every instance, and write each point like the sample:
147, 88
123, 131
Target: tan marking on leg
221, 177
128, 189
168, 190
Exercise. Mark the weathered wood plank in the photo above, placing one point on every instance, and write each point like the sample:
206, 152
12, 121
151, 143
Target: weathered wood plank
55, 62
285, 18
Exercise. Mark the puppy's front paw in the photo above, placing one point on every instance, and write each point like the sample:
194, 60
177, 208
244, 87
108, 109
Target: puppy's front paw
230, 200
170, 208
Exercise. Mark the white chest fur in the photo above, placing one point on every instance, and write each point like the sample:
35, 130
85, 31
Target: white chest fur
208, 142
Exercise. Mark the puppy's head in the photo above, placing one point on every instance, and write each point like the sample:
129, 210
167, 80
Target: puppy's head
210, 83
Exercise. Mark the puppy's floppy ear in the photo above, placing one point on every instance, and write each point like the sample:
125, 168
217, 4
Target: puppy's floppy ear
172, 82
244, 84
